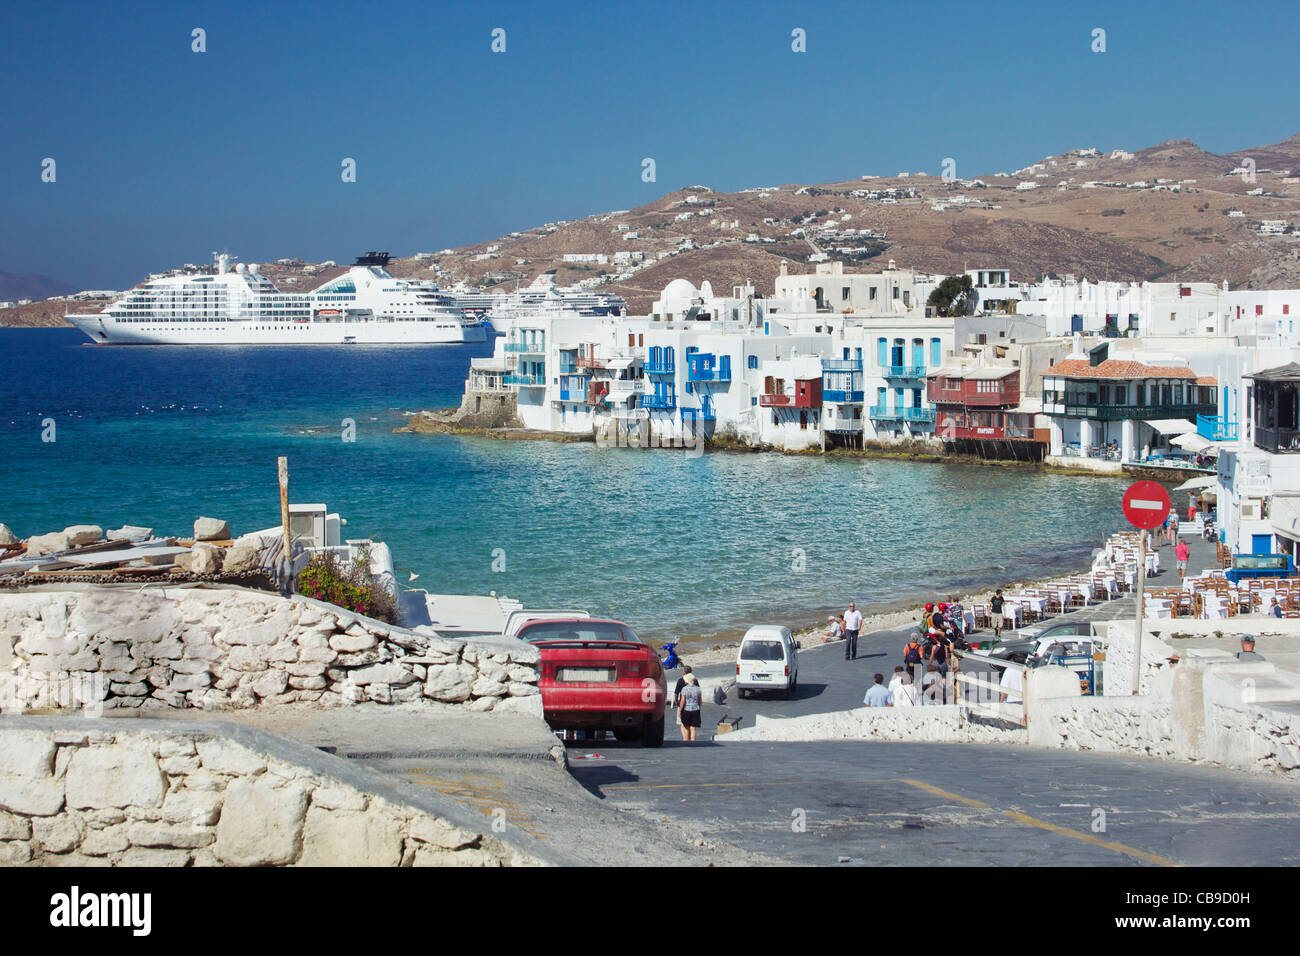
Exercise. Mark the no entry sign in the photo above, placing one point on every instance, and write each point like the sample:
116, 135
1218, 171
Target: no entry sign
1146, 505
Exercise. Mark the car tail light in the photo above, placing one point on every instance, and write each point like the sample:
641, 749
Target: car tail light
737, 669
631, 669
787, 670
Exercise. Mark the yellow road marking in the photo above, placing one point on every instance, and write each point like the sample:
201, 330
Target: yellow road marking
693, 786
1021, 818
1027, 820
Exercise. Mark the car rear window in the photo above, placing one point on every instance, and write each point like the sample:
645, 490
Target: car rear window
761, 651
578, 632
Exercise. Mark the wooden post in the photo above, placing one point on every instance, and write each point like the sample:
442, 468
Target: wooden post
1141, 609
283, 467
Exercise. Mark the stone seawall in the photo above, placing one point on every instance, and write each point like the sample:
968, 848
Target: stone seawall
228, 648
78, 792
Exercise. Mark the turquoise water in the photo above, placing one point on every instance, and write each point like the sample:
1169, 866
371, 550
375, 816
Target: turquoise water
671, 544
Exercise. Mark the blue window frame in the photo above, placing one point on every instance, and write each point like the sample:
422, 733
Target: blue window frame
753, 361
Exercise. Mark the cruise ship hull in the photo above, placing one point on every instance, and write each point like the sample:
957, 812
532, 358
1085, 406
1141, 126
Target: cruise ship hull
104, 330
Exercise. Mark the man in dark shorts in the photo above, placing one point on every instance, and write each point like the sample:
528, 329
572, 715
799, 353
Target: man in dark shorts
688, 708
995, 612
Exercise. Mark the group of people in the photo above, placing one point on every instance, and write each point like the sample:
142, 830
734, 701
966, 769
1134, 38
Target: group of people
925, 675
929, 687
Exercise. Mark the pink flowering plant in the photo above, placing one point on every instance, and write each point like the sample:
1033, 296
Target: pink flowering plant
349, 586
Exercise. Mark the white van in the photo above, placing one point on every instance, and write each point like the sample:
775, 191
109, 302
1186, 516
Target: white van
768, 659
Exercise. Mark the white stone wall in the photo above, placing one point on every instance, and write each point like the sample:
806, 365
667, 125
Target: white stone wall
940, 724
226, 648
138, 798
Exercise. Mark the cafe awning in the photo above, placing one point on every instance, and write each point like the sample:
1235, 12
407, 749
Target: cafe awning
1172, 426
1285, 514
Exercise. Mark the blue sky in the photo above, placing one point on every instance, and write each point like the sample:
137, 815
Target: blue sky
164, 154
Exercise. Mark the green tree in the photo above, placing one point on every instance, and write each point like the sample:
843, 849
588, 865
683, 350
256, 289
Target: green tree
953, 296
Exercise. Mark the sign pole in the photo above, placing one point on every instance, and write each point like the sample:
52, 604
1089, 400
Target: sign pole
283, 468
1142, 600
1146, 505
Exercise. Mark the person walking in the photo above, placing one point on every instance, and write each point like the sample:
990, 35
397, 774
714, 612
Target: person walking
1182, 552
907, 695
895, 682
931, 687
852, 624
677, 693
913, 655
1173, 526
996, 604
878, 695
1274, 609
688, 708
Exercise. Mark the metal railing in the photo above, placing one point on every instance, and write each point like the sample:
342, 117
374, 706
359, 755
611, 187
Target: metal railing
1213, 428
904, 371
841, 395
979, 696
841, 365
883, 413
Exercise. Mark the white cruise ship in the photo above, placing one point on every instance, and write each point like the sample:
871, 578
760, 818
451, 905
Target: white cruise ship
503, 309
224, 306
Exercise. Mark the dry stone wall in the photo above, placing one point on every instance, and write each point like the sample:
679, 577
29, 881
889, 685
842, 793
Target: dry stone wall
100, 796
231, 648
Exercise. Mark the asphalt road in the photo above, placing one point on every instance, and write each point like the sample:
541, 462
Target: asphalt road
876, 803
905, 804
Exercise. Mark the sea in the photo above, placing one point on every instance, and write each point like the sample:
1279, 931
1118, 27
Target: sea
672, 544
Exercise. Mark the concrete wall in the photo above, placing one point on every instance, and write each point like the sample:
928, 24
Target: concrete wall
76, 792
940, 724
218, 648
1245, 716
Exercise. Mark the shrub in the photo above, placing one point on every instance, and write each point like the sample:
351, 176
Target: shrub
348, 586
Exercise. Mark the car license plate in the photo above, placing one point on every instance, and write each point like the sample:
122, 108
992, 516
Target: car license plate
586, 675
761, 676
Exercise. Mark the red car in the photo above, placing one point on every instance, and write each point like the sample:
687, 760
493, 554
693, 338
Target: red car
598, 675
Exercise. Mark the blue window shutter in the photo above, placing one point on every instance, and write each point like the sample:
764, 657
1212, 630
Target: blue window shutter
936, 352
884, 351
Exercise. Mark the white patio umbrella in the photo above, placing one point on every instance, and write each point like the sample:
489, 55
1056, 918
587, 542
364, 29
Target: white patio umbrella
1191, 441
1199, 483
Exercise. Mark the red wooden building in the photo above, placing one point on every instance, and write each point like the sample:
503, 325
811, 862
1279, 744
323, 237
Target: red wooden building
978, 411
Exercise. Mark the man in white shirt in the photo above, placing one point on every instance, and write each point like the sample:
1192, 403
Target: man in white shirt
906, 694
895, 682
852, 624
1013, 685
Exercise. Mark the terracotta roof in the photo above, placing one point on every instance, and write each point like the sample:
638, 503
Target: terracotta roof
1116, 369
1207, 380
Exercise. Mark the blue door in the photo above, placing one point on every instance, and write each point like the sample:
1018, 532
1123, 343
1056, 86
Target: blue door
1076, 323
1261, 544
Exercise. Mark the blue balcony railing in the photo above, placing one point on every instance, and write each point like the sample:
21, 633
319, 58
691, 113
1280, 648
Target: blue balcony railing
918, 414
904, 371
704, 367
525, 378
841, 395
883, 413
1215, 429
527, 348
841, 365
660, 400
568, 368
658, 368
